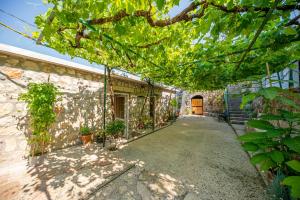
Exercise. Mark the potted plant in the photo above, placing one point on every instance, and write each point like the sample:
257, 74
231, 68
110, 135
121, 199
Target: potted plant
114, 128
86, 134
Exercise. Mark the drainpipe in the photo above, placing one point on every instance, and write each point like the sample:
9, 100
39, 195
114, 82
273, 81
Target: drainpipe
104, 106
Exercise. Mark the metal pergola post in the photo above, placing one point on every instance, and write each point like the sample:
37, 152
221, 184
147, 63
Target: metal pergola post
104, 106
152, 102
227, 103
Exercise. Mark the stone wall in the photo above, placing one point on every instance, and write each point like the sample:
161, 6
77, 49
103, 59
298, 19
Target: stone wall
164, 110
82, 101
212, 101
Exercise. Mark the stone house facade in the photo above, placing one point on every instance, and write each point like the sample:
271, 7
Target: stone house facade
81, 89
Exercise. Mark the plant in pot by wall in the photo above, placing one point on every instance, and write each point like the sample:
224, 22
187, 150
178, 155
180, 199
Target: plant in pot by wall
85, 134
113, 129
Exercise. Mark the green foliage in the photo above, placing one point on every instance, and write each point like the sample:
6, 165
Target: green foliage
173, 102
40, 99
85, 130
273, 94
260, 124
294, 164
193, 53
115, 127
276, 142
294, 183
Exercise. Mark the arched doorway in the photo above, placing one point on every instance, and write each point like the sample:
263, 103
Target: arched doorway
197, 105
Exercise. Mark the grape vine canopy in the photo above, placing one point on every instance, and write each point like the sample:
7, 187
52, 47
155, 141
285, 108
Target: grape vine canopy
205, 46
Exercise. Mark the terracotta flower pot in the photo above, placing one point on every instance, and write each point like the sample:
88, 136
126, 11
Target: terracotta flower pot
86, 138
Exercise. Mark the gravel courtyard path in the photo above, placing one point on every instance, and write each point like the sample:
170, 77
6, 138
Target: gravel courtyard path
202, 152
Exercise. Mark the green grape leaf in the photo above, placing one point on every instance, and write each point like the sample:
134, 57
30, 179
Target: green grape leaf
294, 164
293, 143
294, 183
277, 156
247, 98
249, 146
269, 93
271, 117
160, 4
267, 164
289, 31
260, 124
252, 136
258, 158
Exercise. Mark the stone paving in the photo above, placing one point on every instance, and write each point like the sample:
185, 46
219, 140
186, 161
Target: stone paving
144, 185
78, 172
202, 152
197, 158
70, 173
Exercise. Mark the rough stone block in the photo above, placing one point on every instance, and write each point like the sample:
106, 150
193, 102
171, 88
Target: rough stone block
12, 73
59, 70
31, 65
7, 121
71, 71
3, 56
6, 108
12, 62
3, 98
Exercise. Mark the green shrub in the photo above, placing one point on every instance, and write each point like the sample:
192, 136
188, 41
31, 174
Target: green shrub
115, 127
173, 102
276, 143
40, 99
85, 130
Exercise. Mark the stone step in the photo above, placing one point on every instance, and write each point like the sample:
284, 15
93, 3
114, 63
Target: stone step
234, 103
237, 122
235, 100
236, 111
239, 118
242, 114
235, 108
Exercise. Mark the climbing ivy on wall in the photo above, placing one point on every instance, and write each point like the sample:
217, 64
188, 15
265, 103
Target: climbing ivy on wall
201, 47
40, 99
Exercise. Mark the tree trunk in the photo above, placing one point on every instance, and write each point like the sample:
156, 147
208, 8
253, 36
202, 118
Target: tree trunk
112, 94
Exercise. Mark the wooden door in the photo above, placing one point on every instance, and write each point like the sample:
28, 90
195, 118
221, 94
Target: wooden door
197, 106
120, 107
